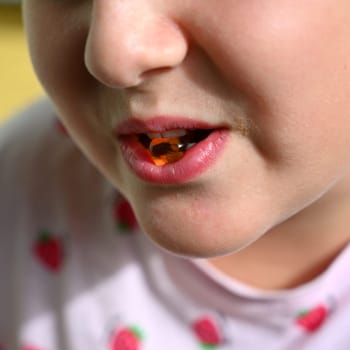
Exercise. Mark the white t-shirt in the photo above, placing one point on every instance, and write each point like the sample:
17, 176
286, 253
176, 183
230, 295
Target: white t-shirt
77, 273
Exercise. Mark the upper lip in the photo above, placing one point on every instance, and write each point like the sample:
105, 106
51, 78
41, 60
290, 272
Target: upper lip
160, 124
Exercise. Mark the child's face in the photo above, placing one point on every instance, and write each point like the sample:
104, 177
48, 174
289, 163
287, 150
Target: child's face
272, 78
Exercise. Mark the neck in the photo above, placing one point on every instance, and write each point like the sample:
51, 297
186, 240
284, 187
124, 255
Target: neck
296, 251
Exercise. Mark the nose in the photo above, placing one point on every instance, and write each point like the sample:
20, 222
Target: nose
129, 39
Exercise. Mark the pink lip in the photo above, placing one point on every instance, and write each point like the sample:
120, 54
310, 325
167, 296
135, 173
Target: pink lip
194, 162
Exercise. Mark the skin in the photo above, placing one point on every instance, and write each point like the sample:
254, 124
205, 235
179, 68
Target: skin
278, 68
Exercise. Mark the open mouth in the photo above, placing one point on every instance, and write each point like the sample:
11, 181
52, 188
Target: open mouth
170, 151
170, 146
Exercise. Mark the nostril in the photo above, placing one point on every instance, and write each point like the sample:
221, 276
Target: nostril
156, 71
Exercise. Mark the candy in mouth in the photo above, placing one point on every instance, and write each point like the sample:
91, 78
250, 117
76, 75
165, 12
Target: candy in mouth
169, 147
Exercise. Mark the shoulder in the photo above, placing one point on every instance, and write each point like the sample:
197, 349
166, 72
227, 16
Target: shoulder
25, 137
41, 167
34, 141
49, 189
65, 232
27, 124
47, 184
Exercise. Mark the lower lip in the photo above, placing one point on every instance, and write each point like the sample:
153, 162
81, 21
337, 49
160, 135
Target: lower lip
195, 161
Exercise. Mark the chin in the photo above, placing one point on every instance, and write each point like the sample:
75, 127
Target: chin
193, 222
198, 239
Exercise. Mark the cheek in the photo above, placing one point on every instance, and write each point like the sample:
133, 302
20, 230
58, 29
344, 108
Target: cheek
280, 49
291, 62
58, 58
56, 43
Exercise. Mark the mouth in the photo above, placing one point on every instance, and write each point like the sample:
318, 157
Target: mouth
170, 146
169, 151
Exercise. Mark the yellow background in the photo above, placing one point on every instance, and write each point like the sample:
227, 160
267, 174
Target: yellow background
18, 85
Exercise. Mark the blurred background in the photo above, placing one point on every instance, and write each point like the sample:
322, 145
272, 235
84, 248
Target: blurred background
18, 85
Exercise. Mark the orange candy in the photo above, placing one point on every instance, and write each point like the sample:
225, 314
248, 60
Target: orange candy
165, 150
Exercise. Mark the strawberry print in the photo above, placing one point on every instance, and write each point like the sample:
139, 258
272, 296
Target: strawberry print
126, 338
49, 251
124, 216
61, 128
208, 332
29, 347
311, 320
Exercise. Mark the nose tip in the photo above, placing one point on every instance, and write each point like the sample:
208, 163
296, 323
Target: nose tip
122, 46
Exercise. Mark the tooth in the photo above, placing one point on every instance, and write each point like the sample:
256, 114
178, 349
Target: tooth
154, 135
174, 133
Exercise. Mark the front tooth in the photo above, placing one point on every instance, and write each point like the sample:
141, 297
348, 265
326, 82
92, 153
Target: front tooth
154, 135
174, 133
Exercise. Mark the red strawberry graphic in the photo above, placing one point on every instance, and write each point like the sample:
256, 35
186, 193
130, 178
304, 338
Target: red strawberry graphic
124, 216
61, 128
29, 347
49, 251
127, 338
312, 319
207, 331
